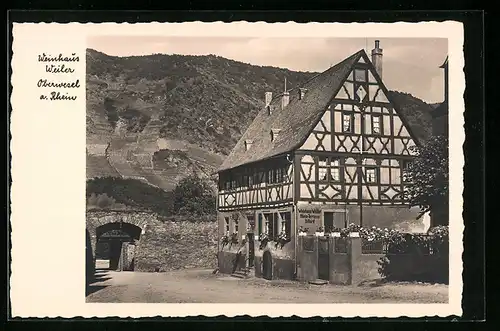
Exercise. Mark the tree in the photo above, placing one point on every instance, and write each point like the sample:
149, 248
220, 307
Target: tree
428, 175
194, 196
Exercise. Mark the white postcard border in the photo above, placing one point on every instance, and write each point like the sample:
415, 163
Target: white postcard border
48, 172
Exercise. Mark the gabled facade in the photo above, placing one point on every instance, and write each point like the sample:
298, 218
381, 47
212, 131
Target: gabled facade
329, 153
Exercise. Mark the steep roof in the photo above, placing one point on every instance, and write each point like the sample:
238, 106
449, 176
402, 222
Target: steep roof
301, 115
295, 120
416, 112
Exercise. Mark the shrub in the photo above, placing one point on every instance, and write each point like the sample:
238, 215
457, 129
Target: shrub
193, 196
417, 257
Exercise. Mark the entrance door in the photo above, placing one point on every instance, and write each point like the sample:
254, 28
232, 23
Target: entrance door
328, 221
251, 249
267, 266
323, 259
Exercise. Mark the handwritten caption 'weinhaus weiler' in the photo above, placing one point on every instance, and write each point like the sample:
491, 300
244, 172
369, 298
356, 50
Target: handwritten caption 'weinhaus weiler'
54, 87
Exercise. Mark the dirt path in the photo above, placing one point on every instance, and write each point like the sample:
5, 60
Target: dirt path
201, 286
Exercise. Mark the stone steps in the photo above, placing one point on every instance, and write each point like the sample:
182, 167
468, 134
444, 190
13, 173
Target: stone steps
243, 273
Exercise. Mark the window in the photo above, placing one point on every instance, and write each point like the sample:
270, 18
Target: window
335, 170
371, 175
236, 226
405, 167
360, 75
323, 174
250, 180
272, 225
286, 223
347, 120
270, 176
323, 167
226, 219
376, 125
267, 227
329, 169
278, 175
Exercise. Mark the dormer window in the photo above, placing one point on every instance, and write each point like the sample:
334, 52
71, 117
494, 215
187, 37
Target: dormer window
248, 144
269, 110
302, 93
274, 134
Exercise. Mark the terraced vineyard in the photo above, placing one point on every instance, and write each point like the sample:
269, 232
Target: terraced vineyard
159, 118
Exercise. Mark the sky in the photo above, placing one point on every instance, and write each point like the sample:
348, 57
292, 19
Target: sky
410, 65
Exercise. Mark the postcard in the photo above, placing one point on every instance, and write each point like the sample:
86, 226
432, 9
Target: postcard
260, 169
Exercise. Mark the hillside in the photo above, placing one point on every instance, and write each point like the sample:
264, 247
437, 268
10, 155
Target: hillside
158, 118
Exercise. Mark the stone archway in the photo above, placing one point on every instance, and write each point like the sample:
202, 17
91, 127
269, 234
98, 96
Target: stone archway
267, 265
99, 222
112, 236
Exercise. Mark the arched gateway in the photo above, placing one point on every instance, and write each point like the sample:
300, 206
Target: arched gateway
106, 231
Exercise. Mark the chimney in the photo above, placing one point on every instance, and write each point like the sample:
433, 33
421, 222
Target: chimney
269, 97
377, 58
248, 144
286, 98
302, 93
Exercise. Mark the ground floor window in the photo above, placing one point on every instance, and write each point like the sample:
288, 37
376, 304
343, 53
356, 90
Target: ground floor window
274, 223
286, 223
236, 226
334, 220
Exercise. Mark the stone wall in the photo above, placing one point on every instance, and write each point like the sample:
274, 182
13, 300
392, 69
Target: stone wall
163, 244
177, 245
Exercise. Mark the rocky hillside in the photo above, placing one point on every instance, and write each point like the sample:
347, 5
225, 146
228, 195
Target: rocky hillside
158, 118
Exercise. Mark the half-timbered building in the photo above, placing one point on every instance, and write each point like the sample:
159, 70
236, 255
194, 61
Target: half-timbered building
325, 154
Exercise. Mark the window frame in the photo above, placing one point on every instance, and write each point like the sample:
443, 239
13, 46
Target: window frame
380, 125
354, 76
404, 167
287, 222
328, 167
349, 115
375, 173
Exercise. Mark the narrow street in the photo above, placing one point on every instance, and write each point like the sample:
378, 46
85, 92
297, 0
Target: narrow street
201, 286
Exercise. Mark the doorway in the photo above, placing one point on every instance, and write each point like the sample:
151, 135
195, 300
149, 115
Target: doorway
323, 259
251, 249
110, 239
267, 266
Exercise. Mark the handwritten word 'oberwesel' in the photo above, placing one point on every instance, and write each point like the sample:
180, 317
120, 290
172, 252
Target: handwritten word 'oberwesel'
46, 83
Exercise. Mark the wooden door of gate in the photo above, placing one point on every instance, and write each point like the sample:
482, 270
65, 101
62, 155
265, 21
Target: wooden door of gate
323, 259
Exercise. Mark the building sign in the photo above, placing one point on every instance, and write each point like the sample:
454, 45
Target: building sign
309, 216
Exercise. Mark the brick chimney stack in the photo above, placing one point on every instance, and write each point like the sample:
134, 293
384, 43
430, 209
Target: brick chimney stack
377, 58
